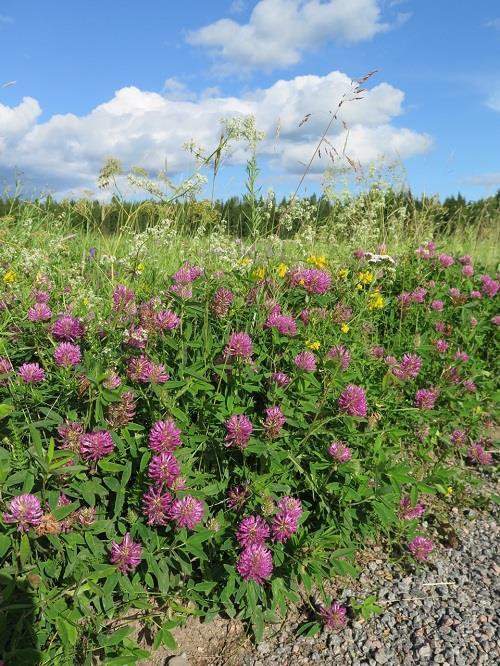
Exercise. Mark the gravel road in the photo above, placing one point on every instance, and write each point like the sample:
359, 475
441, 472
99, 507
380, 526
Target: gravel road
445, 613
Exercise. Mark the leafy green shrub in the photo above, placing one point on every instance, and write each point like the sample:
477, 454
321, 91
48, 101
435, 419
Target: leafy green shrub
225, 442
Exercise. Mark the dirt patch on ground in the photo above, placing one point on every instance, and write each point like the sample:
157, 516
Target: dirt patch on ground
217, 643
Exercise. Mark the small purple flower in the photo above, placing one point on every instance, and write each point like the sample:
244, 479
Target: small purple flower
255, 563
274, 422
68, 328
67, 355
86, 516
306, 361
476, 295
469, 385
5, 369
252, 530
283, 525
39, 312
465, 260
437, 305
446, 260
458, 437
473, 322
377, 351
333, 616
468, 271
418, 295
187, 512
25, 510
239, 346
222, 302
489, 285
239, 429
164, 469
426, 398
478, 455
187, 274
40, 296
136, 336
284, 324
441, 346
124, 301
313, 280
112, 380
127, 555
158, 374
408, 368
461, 356
341, 354
70, 434
494, 320
31, 373
291, 505
121, 413
139, 368
281, 379
305, 316
340, 452
156, 506
409, 512
166, 320
404, 299
352, 401
454, 293
421, 548
184, 291
164, 436
237, 496
96, 445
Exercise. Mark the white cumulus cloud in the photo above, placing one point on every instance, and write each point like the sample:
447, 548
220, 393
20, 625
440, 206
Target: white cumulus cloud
490, 181
146, 128
279, 31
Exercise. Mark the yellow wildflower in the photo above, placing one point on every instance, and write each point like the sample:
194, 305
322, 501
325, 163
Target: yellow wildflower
282, 270
9, 277
366, 277
343, 273
313, 345
244, 261
359, 286
449, 490
140, 268
344, 328
259, 273
319, 261
376, 301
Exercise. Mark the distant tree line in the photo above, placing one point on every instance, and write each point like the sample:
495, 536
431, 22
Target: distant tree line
450, 215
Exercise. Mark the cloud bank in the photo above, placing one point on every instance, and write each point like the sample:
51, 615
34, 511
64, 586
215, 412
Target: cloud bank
279, 31
146, 128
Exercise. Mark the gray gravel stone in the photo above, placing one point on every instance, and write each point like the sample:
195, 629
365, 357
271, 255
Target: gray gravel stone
443, 613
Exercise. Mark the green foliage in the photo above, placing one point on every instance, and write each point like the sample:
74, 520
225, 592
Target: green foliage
62, 600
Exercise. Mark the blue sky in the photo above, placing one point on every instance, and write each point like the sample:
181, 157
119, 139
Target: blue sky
137, 80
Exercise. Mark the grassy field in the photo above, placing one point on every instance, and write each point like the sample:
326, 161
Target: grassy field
196, 421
